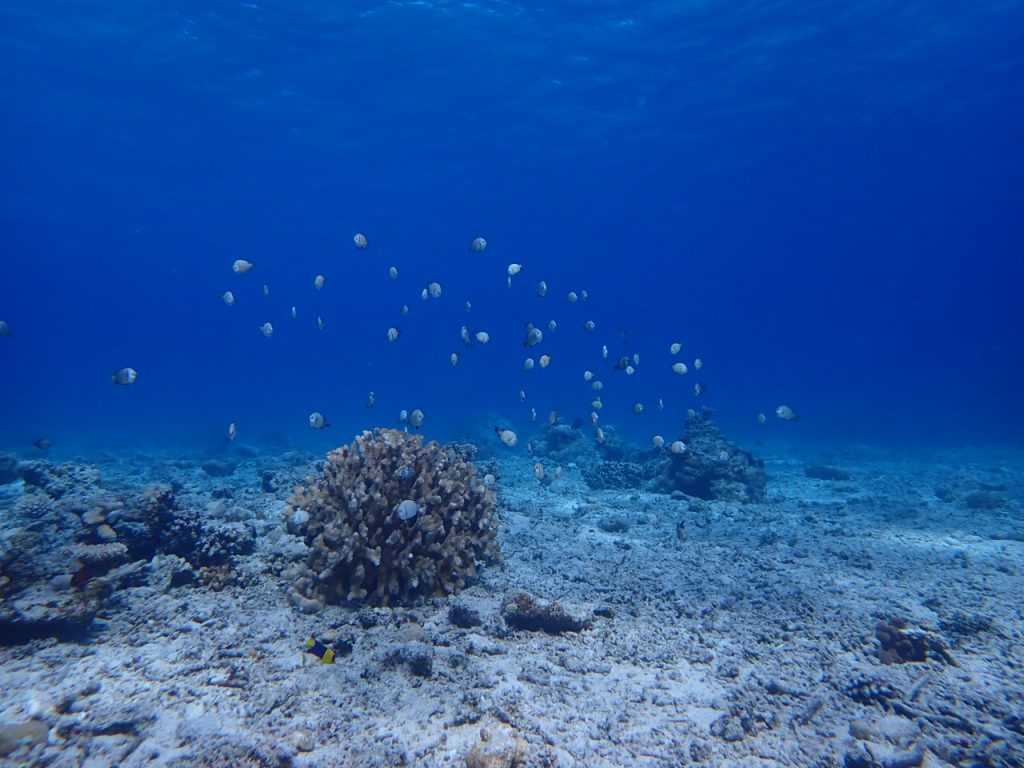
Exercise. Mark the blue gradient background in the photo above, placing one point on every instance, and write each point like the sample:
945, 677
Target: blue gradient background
823, 200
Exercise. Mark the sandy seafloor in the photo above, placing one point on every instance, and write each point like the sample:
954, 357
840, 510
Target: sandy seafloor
749, 641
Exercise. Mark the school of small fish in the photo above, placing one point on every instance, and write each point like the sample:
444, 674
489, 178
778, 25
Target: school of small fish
627, 361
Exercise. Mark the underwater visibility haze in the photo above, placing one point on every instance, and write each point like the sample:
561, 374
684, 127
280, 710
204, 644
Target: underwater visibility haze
695, 296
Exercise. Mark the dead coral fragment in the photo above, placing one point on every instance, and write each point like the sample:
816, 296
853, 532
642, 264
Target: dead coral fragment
524, 611
899, 643
823, 472
362, 549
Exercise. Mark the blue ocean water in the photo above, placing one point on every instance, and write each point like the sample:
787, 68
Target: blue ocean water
823, 201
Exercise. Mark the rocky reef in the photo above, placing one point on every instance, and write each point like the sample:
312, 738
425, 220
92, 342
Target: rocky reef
69, 543
392, 519
711, 467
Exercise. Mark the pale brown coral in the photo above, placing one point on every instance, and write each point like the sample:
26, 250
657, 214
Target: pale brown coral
361, 549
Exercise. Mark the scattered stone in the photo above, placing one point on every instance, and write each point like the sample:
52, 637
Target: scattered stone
218, 468
823, 472
463, 617
899, 644
525, 611
94, 517
106, 533
614, 524
413, 655
29, 732
8, 468
302, 741
983, 500
501, 749
40, 612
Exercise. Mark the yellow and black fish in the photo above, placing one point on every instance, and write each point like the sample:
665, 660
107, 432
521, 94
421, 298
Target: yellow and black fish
321, 651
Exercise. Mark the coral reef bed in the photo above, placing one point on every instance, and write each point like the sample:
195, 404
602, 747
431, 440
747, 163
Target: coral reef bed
869, 622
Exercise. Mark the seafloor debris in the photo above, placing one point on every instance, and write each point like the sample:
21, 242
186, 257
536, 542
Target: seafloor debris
899, 643
366, 540
525, 611
824, 472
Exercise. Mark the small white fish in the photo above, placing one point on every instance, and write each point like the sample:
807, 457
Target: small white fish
661, 404
528, 364
522, 395
593, 418
507, 436
658, 441
416, 418
534, 336
675, 348
227, 296
679, 368
424, 294
604, 351
478, 245
545, 361
596, 404
533, 414
371, 400
542, 289
403, 415
630, 370
599, 435
393, 333
572, 297
483, 337
319, 322
393, 273
514, 269
295, 313
597, 385
318, 282
267, 330
552, 325
405, 309
469, 306
434, 289
638, 408
636, 358
584, 295
360, 241
232, 431
454, 358
677, 447
761, 418
698, 364
588, 375
464, 335
125, 376
266, 289
589, 325
317, 420
241, 266
786, 413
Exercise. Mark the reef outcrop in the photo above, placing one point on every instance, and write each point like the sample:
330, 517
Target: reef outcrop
390, 520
